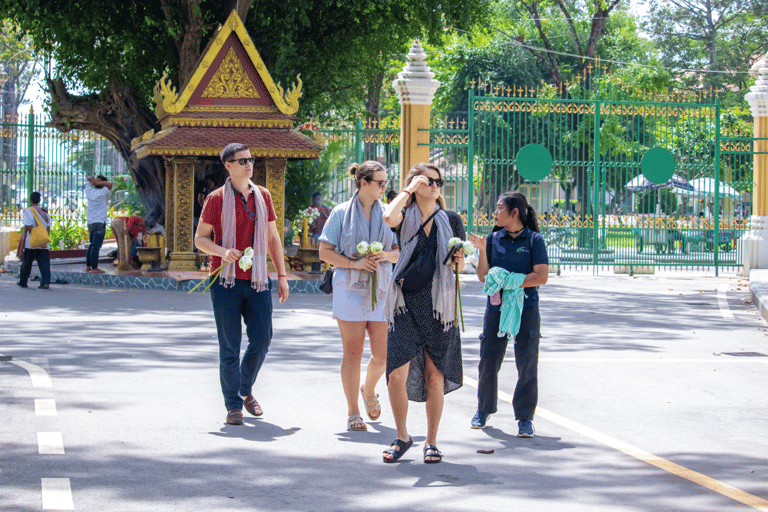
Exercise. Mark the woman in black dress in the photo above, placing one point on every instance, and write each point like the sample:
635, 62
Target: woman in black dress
423, 345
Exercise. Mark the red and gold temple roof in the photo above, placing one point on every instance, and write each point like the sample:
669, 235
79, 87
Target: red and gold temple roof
231, 97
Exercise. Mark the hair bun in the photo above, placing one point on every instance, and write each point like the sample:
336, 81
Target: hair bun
353, 169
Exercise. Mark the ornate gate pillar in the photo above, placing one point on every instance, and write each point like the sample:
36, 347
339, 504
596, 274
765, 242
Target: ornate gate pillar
181, 235
415, 87
755, 243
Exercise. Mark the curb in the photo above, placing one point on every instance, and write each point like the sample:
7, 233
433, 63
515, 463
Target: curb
758, 291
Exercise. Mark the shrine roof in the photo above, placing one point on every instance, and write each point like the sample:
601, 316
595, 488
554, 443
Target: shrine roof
207, 142
230, 97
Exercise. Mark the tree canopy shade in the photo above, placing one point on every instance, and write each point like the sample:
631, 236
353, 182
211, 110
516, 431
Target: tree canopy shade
115, 50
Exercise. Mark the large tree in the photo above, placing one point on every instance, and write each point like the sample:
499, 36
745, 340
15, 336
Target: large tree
116, 50
718, 35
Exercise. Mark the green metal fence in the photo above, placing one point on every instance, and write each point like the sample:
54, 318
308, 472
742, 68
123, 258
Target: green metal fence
595, 206
36, 157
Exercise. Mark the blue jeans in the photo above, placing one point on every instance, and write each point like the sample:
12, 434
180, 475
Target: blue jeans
43, 258
96, 231
255, 308
492, 351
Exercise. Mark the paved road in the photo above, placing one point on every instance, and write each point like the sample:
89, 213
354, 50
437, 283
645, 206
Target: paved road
640, 408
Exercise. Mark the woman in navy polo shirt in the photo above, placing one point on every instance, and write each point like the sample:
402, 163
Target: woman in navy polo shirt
516, 246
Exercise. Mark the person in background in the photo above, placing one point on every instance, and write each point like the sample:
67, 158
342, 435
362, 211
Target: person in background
97, 193
391, 195
316, 228
40, 254
126, 229
515, 246
202, 189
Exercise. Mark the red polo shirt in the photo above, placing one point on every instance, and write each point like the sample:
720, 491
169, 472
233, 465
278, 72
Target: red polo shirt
244, 220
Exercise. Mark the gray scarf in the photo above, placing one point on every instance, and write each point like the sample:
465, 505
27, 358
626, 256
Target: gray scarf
444, 280
355, 229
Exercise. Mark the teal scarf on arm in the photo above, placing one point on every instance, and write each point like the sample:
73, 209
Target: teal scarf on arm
512, 298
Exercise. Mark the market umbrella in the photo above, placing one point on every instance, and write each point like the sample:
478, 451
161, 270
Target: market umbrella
641, 183
707, 186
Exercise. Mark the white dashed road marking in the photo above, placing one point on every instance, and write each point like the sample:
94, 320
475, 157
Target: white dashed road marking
40, 378
45, 407
57, 494
722, 301
50, 443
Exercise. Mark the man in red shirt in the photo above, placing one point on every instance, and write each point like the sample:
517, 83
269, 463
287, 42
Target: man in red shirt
240, 215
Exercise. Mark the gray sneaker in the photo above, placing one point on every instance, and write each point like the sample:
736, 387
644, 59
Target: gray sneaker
525, 429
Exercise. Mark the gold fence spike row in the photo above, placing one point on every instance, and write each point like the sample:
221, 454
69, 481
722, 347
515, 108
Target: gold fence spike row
472, 82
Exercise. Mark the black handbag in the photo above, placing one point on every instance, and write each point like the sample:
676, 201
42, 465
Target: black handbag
327, 284
422, 266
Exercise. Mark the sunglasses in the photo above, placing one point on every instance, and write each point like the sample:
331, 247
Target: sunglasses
382, 183
436, 181
243, 161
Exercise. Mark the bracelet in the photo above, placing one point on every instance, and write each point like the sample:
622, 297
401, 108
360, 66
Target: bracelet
407, 192
279, 276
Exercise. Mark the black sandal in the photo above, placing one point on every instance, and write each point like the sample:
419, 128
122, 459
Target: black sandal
434, 452
397, 453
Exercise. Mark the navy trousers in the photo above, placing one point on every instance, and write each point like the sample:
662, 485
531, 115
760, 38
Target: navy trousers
96, 232
43, 258
232, 306
492, 352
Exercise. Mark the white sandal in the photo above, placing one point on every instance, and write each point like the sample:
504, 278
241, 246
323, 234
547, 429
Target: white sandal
356, 423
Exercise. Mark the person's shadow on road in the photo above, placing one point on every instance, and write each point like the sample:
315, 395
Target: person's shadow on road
539, 442
255, 430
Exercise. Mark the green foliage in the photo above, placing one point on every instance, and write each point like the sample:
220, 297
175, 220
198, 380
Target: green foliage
125, 199
723, 35
338, 47
67, 230
646, 201
304, 177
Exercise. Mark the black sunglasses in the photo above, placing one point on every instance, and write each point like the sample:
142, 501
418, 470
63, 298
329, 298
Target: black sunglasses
436, 181
243, 161
382, 183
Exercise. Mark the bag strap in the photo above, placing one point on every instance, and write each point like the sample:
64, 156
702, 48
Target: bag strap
422, 226
37, 217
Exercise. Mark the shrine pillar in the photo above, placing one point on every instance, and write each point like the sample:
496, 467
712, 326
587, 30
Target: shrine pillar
415, 88
755, 243
180, 236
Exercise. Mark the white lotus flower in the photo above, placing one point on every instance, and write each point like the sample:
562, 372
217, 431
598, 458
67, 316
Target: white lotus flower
245, 263
363, 248
468, 248
248, 252
376, 247
454, 241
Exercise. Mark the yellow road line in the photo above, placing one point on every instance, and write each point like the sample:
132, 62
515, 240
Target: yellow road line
710, 483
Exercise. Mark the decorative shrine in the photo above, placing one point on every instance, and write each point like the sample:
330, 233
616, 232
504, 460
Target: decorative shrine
231, 97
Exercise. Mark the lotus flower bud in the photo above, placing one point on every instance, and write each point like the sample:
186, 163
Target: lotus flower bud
376, 247
363, 248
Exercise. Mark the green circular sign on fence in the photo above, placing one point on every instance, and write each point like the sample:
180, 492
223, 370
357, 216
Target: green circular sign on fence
534, 162
658, 165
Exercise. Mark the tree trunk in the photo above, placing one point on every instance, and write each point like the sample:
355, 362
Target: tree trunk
118, 116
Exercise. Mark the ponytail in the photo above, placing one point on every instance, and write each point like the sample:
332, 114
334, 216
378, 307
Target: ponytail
527, 214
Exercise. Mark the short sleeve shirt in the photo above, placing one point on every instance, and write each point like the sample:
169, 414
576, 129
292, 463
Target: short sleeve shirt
97, 203
28, 219
211, 214
519, 254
